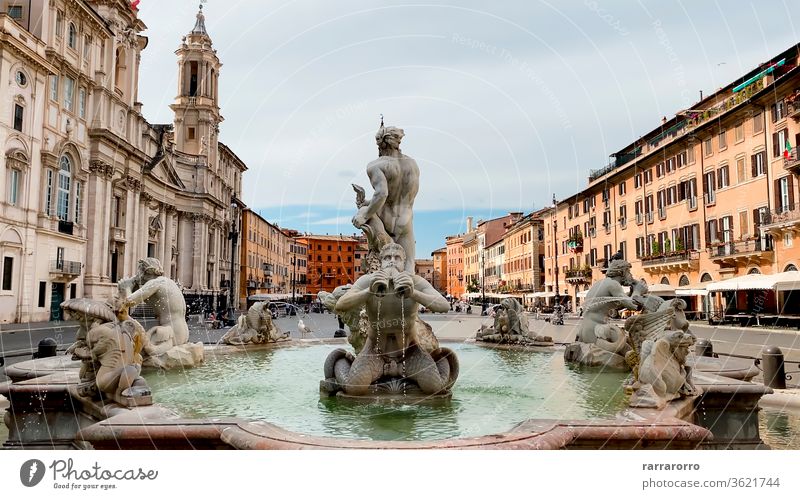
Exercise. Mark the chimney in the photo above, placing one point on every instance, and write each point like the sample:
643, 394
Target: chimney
469, 225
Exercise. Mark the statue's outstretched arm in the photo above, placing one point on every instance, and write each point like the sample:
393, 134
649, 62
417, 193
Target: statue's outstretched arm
143, 293
426, 295
355, 296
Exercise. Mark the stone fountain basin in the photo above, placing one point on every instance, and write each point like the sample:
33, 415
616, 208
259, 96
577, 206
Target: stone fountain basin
71, 421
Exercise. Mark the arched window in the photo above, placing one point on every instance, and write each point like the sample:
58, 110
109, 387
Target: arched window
119, 69
706, 278
72, 36
790, 268
683, 281
754, 270
665, 280
64, 181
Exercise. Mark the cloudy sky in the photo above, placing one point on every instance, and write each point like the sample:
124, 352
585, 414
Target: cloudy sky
503, 103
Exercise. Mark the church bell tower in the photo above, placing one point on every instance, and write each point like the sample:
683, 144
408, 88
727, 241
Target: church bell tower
196, 108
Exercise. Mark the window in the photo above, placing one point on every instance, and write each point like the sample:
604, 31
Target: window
637, 208
660, 171
13, 186
648, 176
741, 172
87, 46
690, 155
82, 102
15, 12
744, 225
637, 181
778, 111
59, 23
640, 251
69, 93
723, 141
623, 216
648, 208
78, 201
18, 114
54, 87
190, 133
73, 290
64, 180
779, 140
670, 164
72, 36
758, 122
709, 187
621, 188
623, 249
680, 159
8, 272
707, 147
738, 132
723, 180
758, 164
672, 195
661, 202
784, 195
48, 196
42, 293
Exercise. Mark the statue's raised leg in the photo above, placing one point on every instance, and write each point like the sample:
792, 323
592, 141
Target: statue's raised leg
430, 376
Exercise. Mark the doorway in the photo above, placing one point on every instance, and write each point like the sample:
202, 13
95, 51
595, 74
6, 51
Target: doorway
56, 298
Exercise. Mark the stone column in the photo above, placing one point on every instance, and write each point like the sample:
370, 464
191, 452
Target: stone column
185, 242
105, 225
94, 219
166, 253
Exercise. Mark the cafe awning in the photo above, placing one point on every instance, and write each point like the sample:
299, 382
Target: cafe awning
698, 289
783, 281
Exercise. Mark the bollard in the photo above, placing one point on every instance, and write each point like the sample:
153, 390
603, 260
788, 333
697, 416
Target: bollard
774, 369
704, 348
47, 348
340, 333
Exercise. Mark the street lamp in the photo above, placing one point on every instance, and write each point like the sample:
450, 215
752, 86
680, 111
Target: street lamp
294, 268
555, 249
233, 236
483, 285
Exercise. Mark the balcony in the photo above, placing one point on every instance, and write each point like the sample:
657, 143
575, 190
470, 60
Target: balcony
782, 219
579, 275
793, 106
224, 283
65, 267
791, 162
65, 227
662, 213
739, 253
675, 261
117, 234
252, 284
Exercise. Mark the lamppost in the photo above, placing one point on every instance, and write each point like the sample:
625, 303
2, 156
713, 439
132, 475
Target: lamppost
555, 249
233, 236
483, 285
294, 269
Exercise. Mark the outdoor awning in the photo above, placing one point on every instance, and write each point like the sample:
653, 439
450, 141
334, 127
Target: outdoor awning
543, 294
661, 290
783, 281
269, 297
693, 289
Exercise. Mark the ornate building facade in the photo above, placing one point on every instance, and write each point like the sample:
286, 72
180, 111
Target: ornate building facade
89, 187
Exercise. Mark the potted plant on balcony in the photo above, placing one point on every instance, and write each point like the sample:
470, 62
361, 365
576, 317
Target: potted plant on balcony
575, 242
655, 249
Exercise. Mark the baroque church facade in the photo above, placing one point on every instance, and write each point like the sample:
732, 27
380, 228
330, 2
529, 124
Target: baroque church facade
87, 186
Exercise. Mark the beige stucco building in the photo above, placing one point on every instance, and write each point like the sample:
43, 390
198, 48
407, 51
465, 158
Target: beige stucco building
523, 243
440, 269
707, 195
88, 186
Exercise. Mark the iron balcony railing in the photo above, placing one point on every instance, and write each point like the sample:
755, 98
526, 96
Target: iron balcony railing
670, 258
732, 248
783, 214
65, 267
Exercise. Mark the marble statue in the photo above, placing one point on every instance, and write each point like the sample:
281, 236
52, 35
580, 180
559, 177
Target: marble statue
391, 358
660, 342
357, 322
89, 313
166, 344
255, 327
598, 342
110, 353
388, 216
511, 326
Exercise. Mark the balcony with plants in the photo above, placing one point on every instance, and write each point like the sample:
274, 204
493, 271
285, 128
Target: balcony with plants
579, 275
575, 242
669, 258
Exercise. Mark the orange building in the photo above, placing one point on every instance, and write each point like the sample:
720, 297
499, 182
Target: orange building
708, 195
440, 269
264, 267
331, 261
455, 266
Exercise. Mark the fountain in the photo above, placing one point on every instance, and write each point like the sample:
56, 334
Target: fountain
516, 394
394, 361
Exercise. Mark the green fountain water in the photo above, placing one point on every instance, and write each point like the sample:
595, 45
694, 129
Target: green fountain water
496, 390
